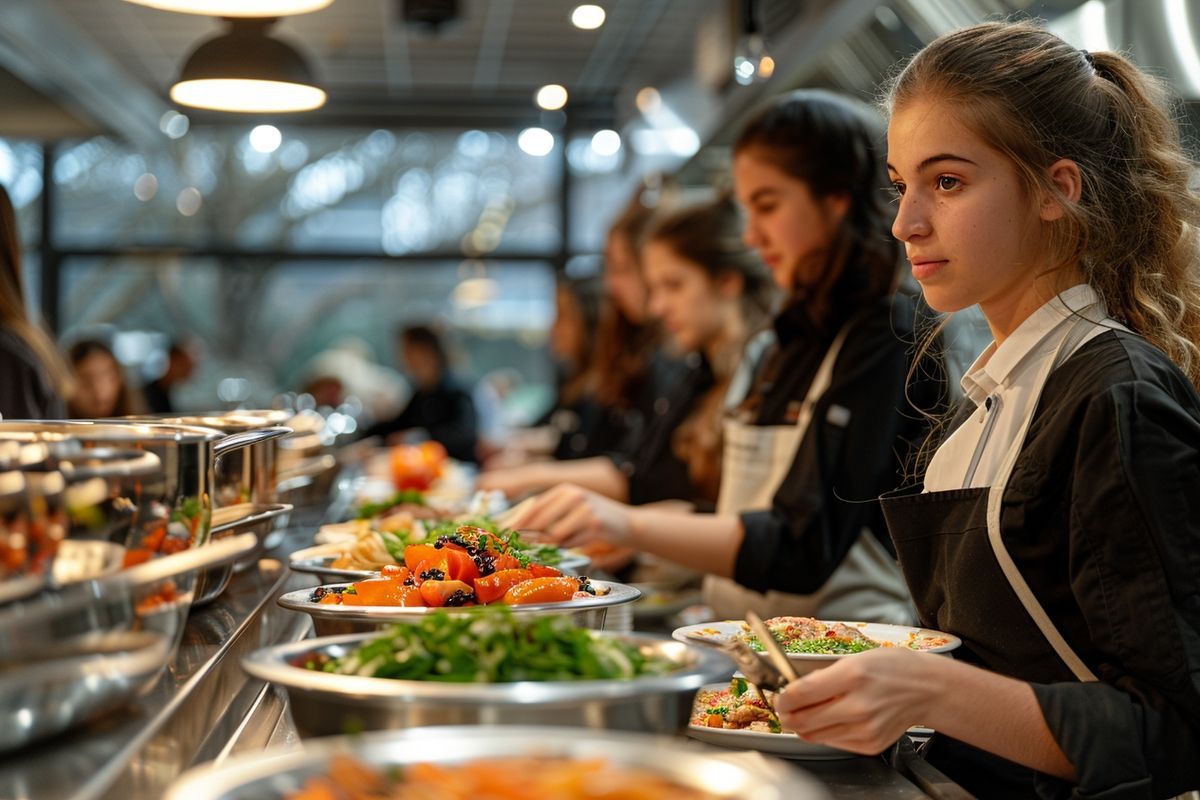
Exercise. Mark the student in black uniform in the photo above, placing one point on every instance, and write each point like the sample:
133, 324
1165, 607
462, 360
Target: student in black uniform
438, 406
711, 293
1058, 533
824, 426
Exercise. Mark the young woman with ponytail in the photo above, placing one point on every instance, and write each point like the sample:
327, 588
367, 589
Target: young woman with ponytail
1058, 529
821, 424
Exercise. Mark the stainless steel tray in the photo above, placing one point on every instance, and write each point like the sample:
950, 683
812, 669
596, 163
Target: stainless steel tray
332, 620
276, 774
324, 703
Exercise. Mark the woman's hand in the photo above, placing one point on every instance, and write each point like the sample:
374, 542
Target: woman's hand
513, 481
573, 516
863, 703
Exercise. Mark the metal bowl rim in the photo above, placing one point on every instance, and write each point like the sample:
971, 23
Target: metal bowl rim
670, 757
273, 664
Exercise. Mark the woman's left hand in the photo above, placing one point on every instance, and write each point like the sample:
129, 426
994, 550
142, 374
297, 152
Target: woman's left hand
571, 515
863, 703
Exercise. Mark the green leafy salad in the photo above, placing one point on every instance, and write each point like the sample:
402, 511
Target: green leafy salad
824, 646
522, 550
494, 646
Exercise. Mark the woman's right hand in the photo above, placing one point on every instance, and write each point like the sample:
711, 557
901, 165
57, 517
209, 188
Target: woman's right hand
574, 516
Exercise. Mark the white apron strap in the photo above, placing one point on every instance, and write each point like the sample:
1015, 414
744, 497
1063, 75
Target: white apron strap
1080, 328
820, 382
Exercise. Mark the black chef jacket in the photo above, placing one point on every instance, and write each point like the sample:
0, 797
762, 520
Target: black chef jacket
830, 493
1102, 517
446, 412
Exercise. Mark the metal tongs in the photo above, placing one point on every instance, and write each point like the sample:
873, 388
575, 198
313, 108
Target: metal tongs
771, 674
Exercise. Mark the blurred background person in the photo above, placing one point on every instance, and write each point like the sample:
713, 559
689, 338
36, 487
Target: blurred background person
33, 377
101, 390
180, 366
439, 406
712, 294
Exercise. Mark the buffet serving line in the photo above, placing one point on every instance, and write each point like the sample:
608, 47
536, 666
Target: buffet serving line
163, 580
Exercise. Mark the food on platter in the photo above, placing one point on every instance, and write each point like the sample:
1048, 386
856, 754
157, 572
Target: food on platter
417, 466
376, 544
736, 707
513, 777
493, 647
814, 637
465, 566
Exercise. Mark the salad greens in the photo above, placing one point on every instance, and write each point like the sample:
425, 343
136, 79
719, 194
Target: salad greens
827, 645
495, 646
403, 497
522, 550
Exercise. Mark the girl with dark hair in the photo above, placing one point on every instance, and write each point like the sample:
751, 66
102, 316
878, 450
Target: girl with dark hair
1058, 530
101, 390
821, 424
33, 378
711, 294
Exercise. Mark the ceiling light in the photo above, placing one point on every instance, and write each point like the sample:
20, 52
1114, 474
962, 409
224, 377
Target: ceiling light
237, 8
265, 138
588, 17
551, 97
246, 70
536, 141
606, 142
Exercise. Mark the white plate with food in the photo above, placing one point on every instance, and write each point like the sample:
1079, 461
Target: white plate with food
811, 644
732, 715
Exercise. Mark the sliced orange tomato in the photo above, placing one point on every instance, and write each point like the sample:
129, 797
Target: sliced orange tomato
491, 588
414, 554
506, 561
542, 590
437, 594
395, 572
460, 566
544, 571
374, 592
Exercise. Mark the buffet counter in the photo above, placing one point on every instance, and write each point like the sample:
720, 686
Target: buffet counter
206, 708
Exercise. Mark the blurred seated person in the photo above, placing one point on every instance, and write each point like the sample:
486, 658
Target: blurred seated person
34, 379
327, 391
438, 406
100, 387
181, 364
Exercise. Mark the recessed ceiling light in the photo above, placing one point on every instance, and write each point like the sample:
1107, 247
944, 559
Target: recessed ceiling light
588, 17
551, 97
237, 8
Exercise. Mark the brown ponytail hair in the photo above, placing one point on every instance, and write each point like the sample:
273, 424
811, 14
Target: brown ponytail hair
710, 237
1037, 99
12, 304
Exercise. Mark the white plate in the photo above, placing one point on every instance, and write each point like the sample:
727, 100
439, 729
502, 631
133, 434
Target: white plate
717, 633
788, 745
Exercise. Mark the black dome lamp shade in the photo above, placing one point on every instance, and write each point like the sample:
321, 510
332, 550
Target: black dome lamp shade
246, 70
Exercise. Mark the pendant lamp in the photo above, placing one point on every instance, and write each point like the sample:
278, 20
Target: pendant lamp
245, 70
237, 8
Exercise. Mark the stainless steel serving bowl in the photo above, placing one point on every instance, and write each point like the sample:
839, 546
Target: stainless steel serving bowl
56, 687
324, 703
256, 518
277, 774
69, 655
333, 620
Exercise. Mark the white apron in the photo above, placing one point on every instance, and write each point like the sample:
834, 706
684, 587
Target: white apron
866, 586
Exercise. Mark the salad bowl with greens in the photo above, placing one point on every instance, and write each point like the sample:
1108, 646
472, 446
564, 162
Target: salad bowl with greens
494, 668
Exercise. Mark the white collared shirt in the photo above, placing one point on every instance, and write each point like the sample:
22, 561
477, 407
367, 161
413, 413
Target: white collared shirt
999, 383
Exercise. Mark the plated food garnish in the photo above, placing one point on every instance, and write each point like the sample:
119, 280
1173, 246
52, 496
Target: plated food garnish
810, 643
465, 566
812, 636
493, 647
513, 777
736, 707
